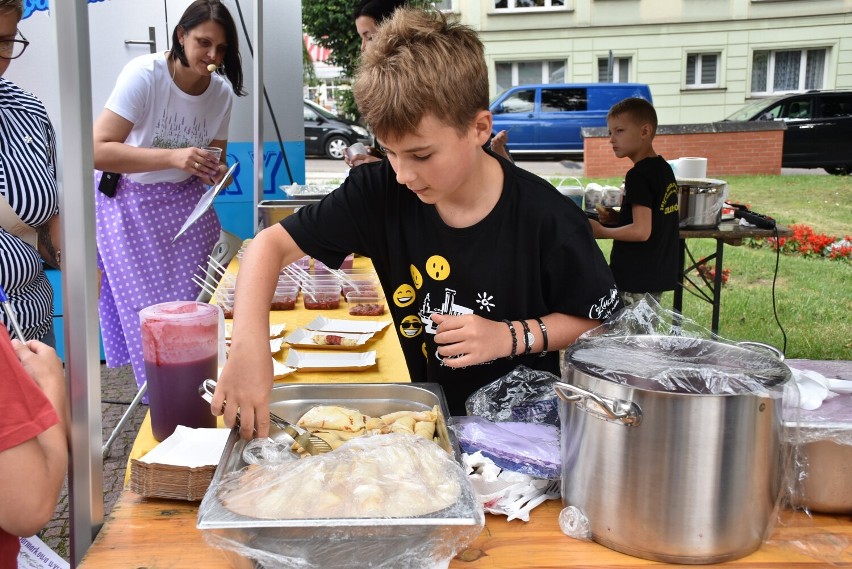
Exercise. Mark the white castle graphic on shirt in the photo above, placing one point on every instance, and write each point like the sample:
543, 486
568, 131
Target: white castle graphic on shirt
449, 307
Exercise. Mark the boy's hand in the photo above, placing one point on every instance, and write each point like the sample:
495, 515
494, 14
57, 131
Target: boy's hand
40, 362
244, 386
469, 339
607, 215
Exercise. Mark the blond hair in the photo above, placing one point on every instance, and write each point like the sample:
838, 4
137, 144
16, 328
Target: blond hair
638, 109
419, 64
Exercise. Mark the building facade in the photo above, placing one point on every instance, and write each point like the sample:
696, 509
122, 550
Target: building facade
702, 58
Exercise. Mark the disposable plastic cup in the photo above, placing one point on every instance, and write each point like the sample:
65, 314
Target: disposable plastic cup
215, 151
181, 344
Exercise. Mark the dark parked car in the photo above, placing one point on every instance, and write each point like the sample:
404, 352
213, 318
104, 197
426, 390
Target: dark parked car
819, 128
327, 134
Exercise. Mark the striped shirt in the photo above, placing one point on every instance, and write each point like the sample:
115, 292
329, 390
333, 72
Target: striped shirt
28, 183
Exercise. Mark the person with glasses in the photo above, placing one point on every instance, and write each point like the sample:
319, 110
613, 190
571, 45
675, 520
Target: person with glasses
29, 206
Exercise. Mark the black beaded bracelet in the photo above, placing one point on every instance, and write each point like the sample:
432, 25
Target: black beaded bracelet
527, 343
514, 339
544, 337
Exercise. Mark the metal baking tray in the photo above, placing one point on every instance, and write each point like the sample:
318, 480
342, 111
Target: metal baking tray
273, 211
332, 542
824, 437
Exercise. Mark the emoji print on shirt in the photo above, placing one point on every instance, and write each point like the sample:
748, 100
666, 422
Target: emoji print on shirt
410, 326
416, 277
437, 267
403, 295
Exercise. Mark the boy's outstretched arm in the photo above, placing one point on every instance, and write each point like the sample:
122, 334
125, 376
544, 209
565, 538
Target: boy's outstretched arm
639, 230
476, 340
246, 380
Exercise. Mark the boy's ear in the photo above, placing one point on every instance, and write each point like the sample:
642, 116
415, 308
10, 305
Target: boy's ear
482, 124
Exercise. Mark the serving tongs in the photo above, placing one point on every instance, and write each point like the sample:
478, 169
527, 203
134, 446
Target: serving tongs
311, 443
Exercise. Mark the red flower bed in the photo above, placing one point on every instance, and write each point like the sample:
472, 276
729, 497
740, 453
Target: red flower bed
807, 243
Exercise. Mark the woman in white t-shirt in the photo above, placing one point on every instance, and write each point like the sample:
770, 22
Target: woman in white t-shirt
164, 109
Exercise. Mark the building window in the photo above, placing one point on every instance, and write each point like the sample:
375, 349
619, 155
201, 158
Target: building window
620, 72
509, 5
788, 70
511, 73
443, 5
702, 70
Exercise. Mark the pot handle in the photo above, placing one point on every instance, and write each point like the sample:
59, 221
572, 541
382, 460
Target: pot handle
625, 412
766, 347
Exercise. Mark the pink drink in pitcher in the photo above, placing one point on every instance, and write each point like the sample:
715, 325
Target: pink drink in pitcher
180, 343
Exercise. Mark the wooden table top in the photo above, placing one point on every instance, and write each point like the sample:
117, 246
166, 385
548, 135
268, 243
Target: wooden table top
156, 533
144, 532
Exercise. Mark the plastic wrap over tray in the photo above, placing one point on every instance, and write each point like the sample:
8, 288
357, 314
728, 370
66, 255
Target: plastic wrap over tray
313, 542
385, 501
651, 348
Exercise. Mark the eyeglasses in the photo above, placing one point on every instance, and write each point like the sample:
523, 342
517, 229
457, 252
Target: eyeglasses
13, 49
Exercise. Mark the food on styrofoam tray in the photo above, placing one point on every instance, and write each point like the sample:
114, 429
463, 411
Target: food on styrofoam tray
336, 424
333, 340
398, 475
302, 337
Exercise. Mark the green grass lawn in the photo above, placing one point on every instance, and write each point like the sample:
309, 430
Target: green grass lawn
813, 296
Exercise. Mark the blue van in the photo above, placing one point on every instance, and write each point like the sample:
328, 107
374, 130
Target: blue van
547, 119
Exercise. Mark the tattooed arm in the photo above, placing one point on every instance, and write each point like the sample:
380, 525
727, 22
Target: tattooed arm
49, 242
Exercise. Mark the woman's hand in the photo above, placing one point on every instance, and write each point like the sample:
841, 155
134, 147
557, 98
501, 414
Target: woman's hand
469, 339
198, 162
358, 154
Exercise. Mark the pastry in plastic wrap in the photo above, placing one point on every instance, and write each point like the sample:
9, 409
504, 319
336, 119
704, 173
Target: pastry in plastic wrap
394, 475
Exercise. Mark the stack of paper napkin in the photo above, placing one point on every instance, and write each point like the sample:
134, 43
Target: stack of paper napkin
181, 467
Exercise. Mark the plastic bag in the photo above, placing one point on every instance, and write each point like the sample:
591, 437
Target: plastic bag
383, 501
528, 448
524, 395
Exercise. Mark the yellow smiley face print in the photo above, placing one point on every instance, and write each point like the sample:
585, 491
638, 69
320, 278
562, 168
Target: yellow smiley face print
410, 326
416, 277
423, 349
403, 295
437, 267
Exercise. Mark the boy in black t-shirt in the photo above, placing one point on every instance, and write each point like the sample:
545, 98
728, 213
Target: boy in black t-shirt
644, 251
484, 265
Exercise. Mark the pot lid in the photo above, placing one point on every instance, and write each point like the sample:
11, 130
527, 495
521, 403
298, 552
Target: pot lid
679, 364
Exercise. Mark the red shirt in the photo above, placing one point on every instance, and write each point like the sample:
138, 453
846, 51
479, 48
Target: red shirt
25, 412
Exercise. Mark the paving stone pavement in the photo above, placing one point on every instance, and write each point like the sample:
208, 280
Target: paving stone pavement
118, 387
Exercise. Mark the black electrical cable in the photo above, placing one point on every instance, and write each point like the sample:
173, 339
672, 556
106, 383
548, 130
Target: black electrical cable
266, 98
775, 278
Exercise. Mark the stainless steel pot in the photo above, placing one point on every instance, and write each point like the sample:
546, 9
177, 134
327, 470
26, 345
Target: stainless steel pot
672, 469
700, 203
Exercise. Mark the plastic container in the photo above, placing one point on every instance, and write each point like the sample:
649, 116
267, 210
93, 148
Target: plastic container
321, 297
365, 304
285, 297
572, 189
181, 343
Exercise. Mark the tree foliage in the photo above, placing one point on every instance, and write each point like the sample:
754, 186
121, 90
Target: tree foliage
331, 25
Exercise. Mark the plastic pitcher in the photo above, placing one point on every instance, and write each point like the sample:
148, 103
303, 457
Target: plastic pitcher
182, 342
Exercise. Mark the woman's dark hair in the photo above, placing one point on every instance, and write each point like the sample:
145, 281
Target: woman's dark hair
202, 11
379, 10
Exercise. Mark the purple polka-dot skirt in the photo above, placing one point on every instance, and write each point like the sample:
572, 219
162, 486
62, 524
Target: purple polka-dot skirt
140, 265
